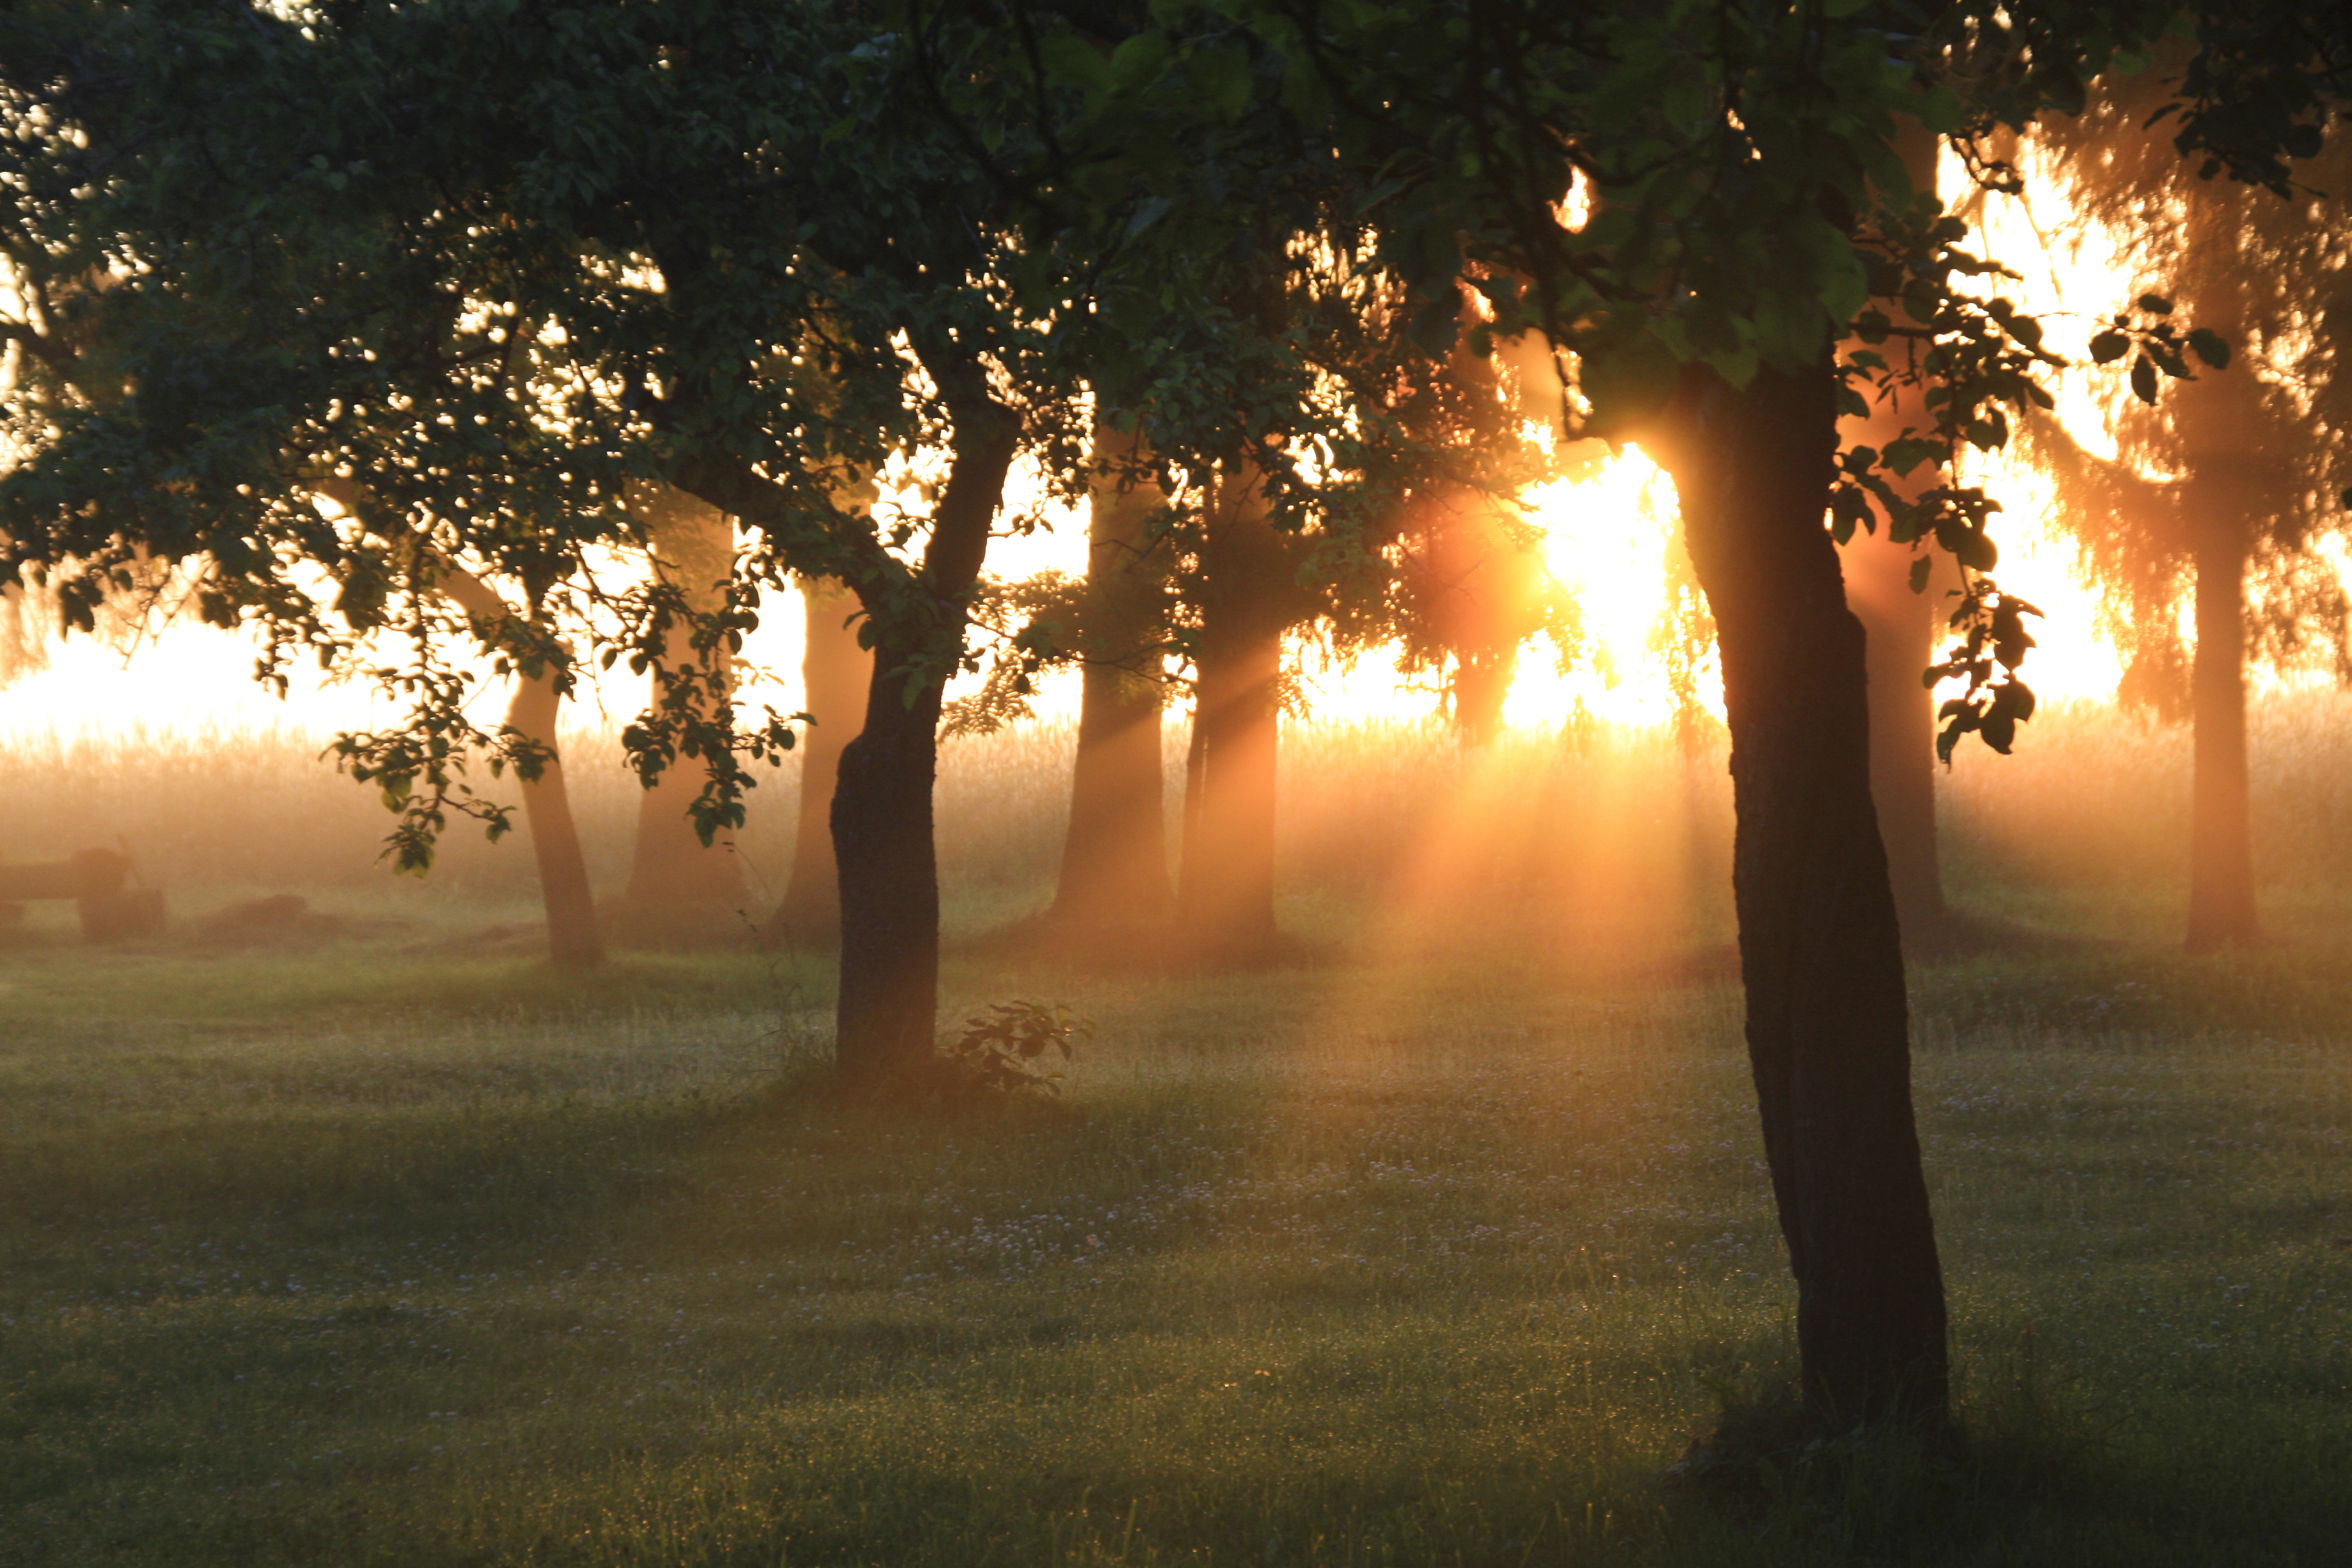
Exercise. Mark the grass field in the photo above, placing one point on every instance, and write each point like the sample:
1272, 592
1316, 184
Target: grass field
1437, 1250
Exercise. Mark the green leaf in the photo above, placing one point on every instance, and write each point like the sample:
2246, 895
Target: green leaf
1920, 569
1224, 77
2143, 379
1072, 61
2156, 304
1140, 60
2108, 347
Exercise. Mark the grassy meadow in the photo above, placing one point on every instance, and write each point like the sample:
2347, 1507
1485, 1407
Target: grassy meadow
1439, 1247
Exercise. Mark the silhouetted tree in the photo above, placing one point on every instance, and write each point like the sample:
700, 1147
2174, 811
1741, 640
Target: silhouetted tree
2221, 494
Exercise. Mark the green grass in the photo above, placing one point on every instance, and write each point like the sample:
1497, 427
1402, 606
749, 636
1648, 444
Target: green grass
374, 1255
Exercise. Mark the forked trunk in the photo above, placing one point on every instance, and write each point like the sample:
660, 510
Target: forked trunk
1820, 954
2220, 853
1114, 890
679, 887
1225, 892
888, 1007
836, 674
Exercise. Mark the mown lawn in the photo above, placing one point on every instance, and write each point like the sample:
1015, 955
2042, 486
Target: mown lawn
371, 1254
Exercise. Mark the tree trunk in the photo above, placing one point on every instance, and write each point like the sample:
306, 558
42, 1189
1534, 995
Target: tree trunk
1480, 684
1821, 952
1114, 890
680, 888
836, 674
888, 1007
1224, 895
574, 938
1900, 630
2220, 834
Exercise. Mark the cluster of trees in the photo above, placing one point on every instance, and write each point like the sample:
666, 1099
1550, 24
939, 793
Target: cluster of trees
519, 289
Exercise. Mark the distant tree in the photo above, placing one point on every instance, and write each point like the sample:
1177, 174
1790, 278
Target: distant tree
836, 674
2219, 499
1114, 896
1902, 614
685, 885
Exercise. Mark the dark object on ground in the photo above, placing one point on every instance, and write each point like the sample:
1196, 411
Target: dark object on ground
93, 879
285, 918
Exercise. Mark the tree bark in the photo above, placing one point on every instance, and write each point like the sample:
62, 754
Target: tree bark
889, 1008
1225, 892
2220, 834
836, 674
680, 888
574, 940
1114, 890
1820, 951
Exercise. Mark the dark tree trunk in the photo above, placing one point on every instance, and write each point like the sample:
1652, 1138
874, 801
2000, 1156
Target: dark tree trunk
2221, 852
574, 940
888, 1007
889, 880
836, 674
1114, 890
1821, 952
1225, 891
1482, 681
680, 888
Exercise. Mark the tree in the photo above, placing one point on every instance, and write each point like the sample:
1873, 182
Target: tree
835, 672
684, 885
1754, 213
1900, 622
1114, 895
2222, 492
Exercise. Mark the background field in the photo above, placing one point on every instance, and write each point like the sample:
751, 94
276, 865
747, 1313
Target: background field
1440, 1247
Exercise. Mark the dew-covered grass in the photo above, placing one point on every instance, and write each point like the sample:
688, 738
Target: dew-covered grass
391, 1246
1324, 1266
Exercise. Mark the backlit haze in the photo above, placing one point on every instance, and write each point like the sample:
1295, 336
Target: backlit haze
1606, 539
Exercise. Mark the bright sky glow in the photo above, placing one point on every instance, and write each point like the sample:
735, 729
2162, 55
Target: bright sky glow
1607, 535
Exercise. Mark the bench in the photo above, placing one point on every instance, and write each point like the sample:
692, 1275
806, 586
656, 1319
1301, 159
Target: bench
94, 879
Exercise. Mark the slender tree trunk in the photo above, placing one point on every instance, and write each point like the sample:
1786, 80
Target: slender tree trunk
1900, 630
1820, 954
1114, 885
836, 674
574, 938
1225, 894
882, 842
680, 888
2221, 854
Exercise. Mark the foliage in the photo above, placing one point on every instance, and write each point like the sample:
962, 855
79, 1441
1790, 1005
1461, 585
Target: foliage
1001, 1051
